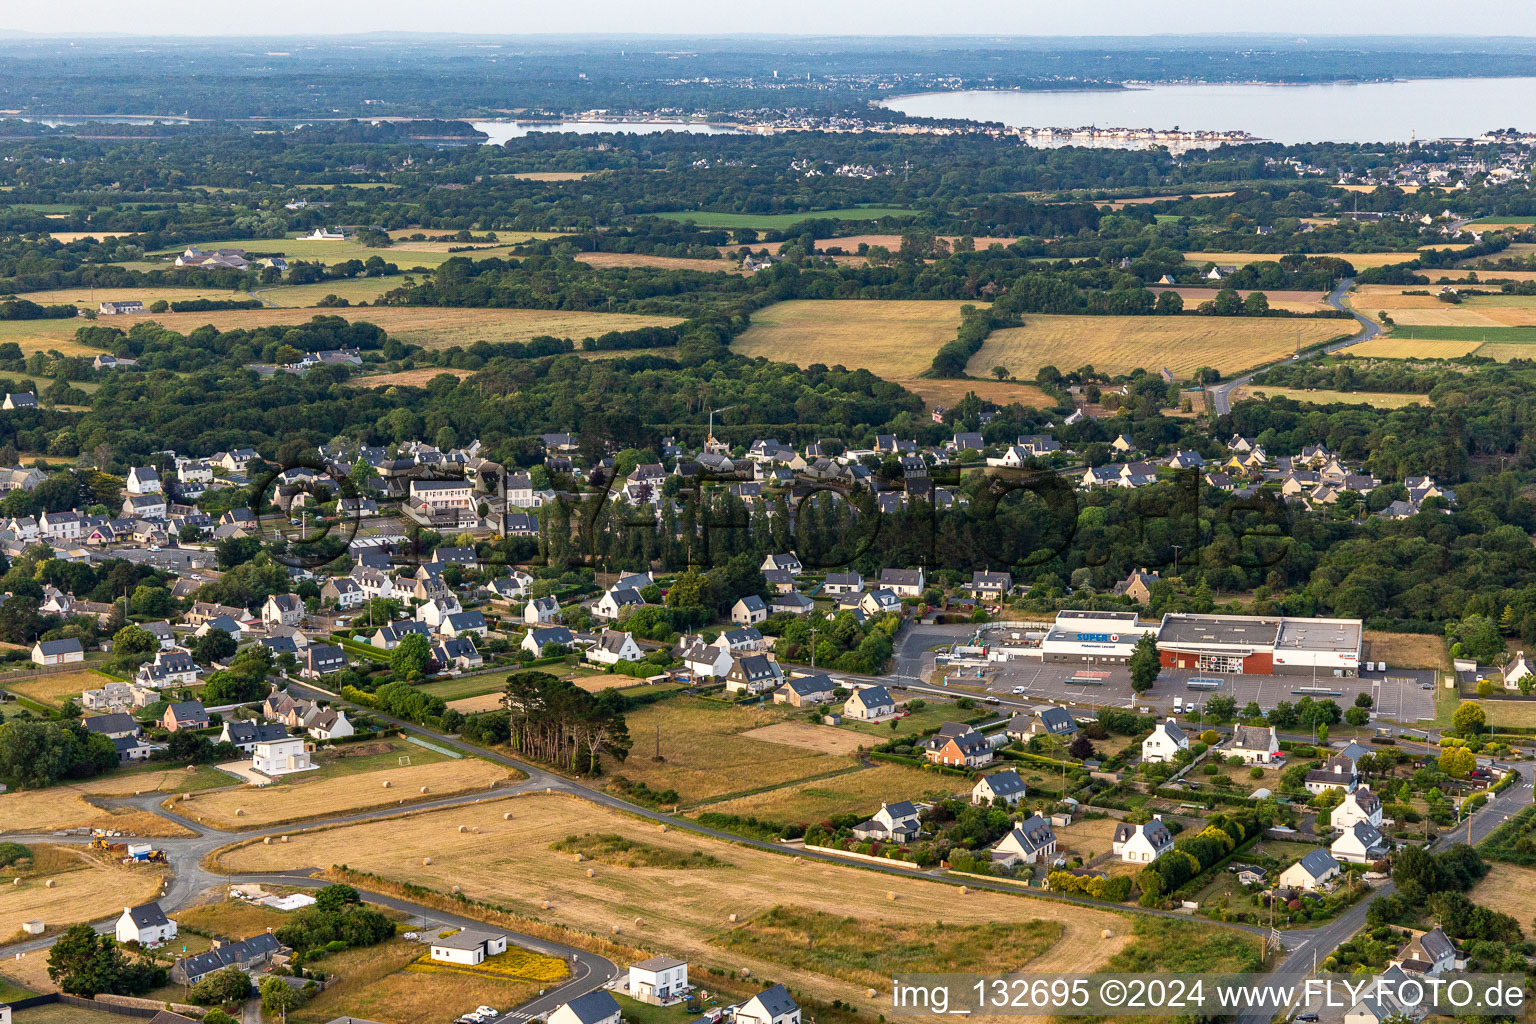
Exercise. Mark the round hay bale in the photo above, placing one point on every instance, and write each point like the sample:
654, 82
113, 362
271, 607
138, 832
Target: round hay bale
591, 873
239, 812
662, 828
615, 929
545, 905
890, 895
964, 889
746, 972
733, 919
283, 840
579, 858
187, 796
870, 993
507, 816
639, 921
50, 884
463, 828
455, 890
476, 830
267, 841
16, 881
426, 860
138, 792
1104, 934
424, 789
387, 784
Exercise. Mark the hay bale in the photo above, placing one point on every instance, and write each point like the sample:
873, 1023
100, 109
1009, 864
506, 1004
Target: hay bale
746, 972
579, 858
387, 784
424, 789
591, 873
639, 921
662, 827
187, 796
266, 841
476, 830
283, 840
1104, 934
545, 905
239, 812
507, 816
964, 889
463, 828
16, 881
890, 895
455, 890
426, 860
50, 884
615, 929
733, 919
870, 993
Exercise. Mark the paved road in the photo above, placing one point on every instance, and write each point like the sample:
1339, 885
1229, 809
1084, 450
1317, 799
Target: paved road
1221, 394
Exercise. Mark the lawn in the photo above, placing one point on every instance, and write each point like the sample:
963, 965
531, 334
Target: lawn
58, 1013
857, 792
1322, 396
340, 787
706, 754
682, 912
930, 716
377, 983
54, 689
763, 221
466, 686
88, 887
1120, 344
894, 338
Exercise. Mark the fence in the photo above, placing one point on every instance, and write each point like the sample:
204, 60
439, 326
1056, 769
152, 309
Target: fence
121, 1009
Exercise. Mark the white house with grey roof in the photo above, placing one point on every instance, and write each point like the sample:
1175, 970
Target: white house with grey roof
1310, 873
1360, 843
771, 1006
749, 610
613, 647
892, 822
659, 980
1144, 843
596, 1007
535, 640
1004, 788
145, 924
614, 602
1361, 805
540, 611
1165, 743
1255, 744
869, 704
470, 946
904, 582
1032, 840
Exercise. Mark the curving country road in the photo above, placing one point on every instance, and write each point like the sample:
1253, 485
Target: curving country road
1221, 394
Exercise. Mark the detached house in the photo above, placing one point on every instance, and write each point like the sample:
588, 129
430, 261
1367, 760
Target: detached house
1255, 744
535, 640
1360, 843
1311, 872
999, 789
1031, 841
57, 652
282, 610
541, 610
1338, 772
895, 823
614, 602
706, 661
1142, 844
753, 674
749, 611
184, 714
869, 704
1164, 743
145, 924
992, 586
1431, 953
789, 563
770, 1006
842, 583
958, 746
321, 660
904, 582
613, 647
596, 1007
806, 691
1360, 805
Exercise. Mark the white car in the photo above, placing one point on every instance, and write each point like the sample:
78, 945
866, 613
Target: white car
489, 1011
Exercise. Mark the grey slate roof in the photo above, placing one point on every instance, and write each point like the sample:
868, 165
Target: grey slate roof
594, 1006
147, 915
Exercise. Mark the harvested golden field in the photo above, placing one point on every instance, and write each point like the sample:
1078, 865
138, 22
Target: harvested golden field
636, 259
55, 688
475, 705
1505, 351
1359, 260
91, 298
157, 780
1509, 889
1316, 396
1368, 298
948, 392
553, 175
1406, 650
74, 236
857, 792
87, 887
1409, 189
1444, 316
1295, 301
1459, 274
822, 738
60, 807
379, 983
1119, 344
1116, 204
600, 681
891, 338
417, 378
45, 336
233, 919
850, 243
1405, 348
684, 912
707, 754
354, 290
295, 798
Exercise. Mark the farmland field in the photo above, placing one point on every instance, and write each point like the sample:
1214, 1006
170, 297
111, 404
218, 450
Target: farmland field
893, 339
851, 243
1399, 348
825, 738
684, 912
56, 688
553, 175
353, 289
1295, 301
403, 254
297, 797
59, 807
948, 392
91, 298
417, 378
1119, 344
708, 753
1375, 399
635, 259
1360, 260
858, 792
474, 705
87, 887
1406, 650
762, 221
1508, 335
1509, 889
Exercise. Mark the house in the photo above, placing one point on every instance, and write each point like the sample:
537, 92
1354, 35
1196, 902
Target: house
806, 691
170, 668
1137, 586
535, 640
1053, 721
388, 637
1142, 844
1515, 671
470, 623
596, 1007
143, 480
880, 601
245, 954
1361, 805
753, 674
281, 754
749, 610
1360, 843
791, 604
1311, 872
991, 585
869, 704
469, 946
895, 823
57, 652
1032, 840
541, 611
328, 724
903, 582
660, 981
614, 602
1164, 743
343, 592
145, 924
123, 306
748, 638
842, 583
706, 661
19, 400
321, 660
245, 735
770, 1006
184, 714
1430, 952
1255, 744
282, 610
115, 726
789, 563
999, 789
457, 653
958, 746
613, 647
1381, 1002
143, 506
1338, 772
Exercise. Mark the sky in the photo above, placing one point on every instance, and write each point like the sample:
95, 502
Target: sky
793, 17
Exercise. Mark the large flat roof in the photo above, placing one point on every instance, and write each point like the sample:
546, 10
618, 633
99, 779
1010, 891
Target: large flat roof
1106, 617
1341, 635
1220, 630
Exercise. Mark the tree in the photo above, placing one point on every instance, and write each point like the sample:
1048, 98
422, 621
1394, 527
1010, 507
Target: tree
215, 645
1469, 719
83, 963
1457, 762
334, 898
278, 997
410, 656
1364, 700
1000, 372
134, 642
1144, 663
1357, 716
230, 985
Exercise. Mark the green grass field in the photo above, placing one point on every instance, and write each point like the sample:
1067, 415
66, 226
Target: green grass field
1505, 220
1434, 332
705, 219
